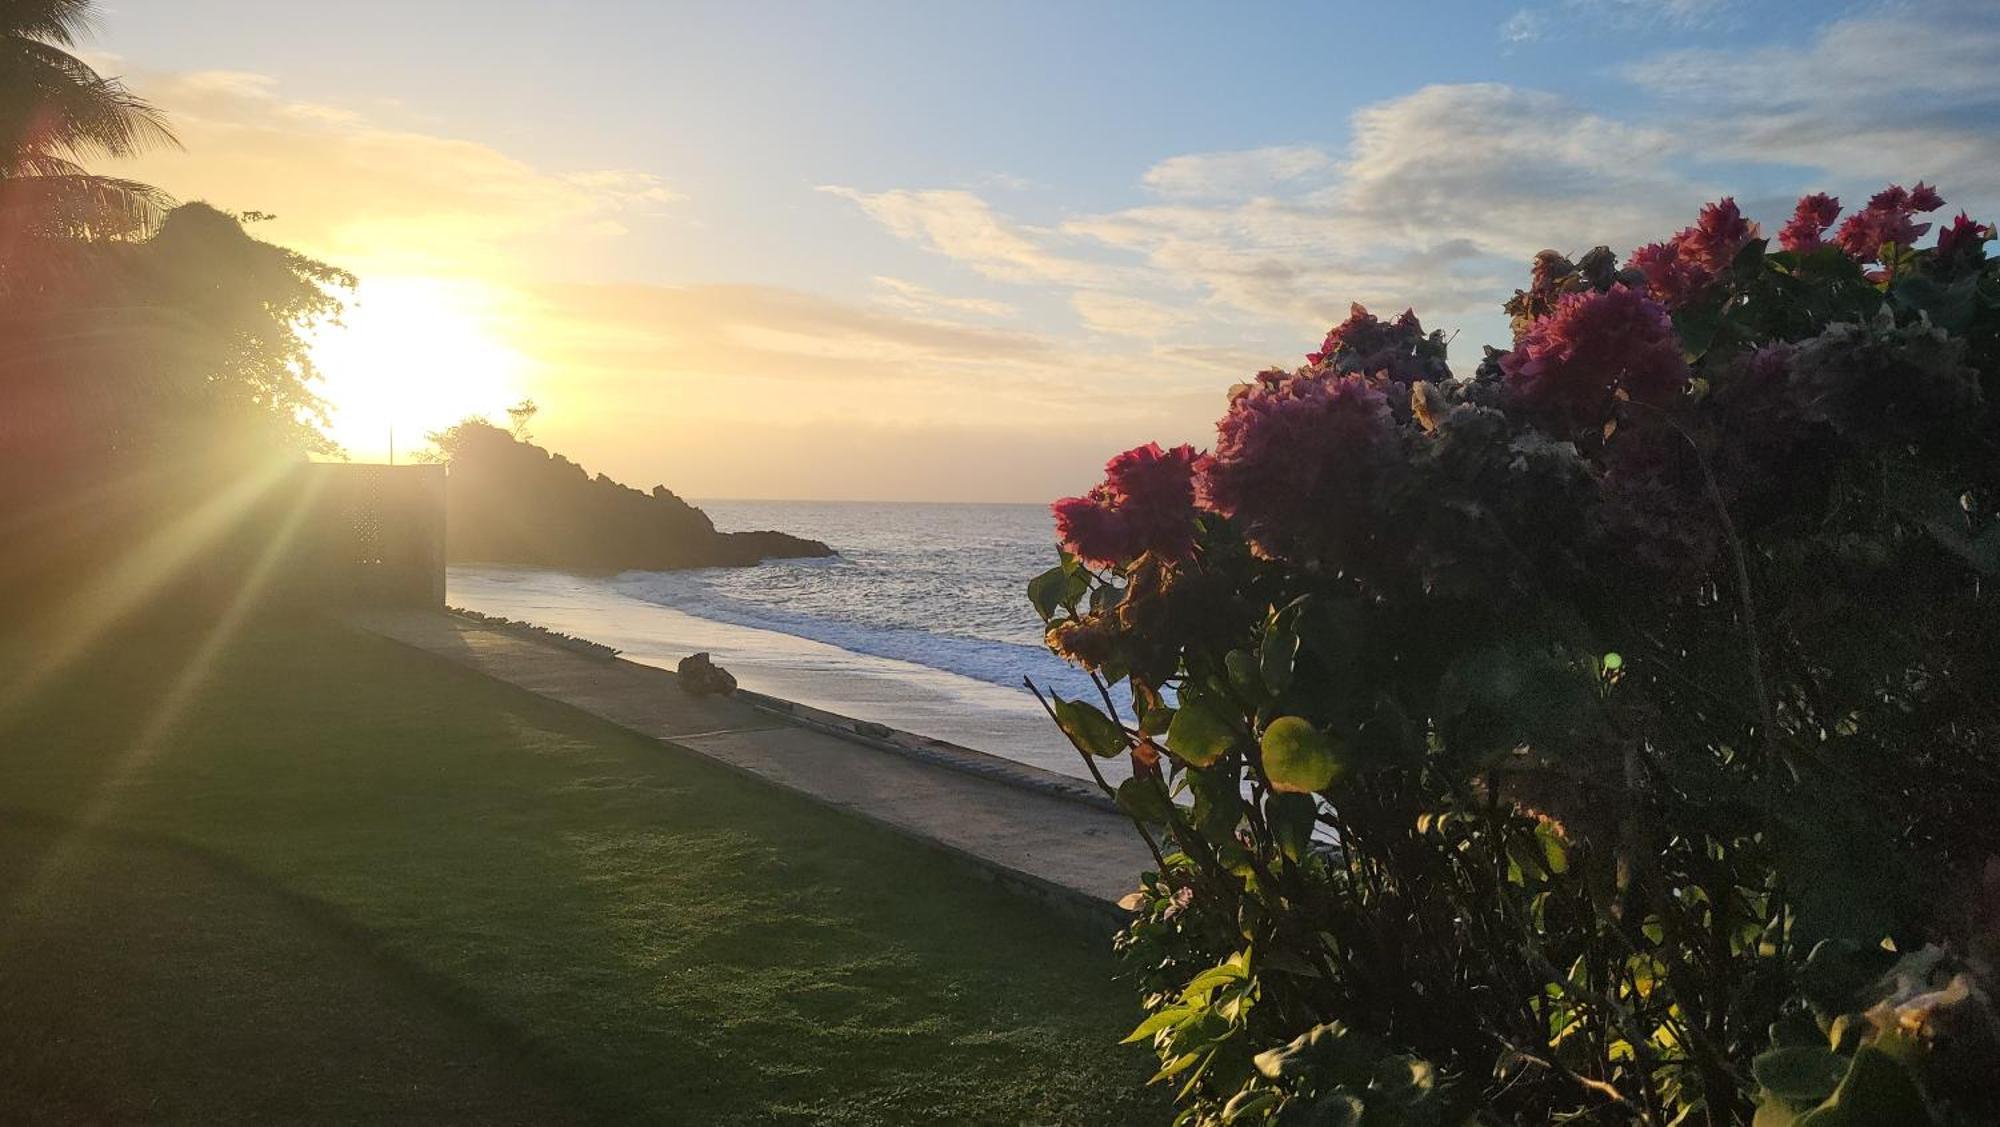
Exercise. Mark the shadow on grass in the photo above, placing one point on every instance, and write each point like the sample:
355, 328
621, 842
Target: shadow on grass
615, 928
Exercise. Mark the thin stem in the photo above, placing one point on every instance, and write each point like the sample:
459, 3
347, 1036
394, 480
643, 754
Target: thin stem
1090, 762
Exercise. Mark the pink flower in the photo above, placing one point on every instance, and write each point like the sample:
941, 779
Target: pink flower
1145, 504
1593, 346
1295, 460
1887, 220
1963, 239
1671, 277
1717, 235
1088, 527
1807, 229
1678, 269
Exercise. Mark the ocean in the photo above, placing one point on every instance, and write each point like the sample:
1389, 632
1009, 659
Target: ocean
921, 622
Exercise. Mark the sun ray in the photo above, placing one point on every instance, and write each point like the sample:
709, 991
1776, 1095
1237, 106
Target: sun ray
180, 692
138, 575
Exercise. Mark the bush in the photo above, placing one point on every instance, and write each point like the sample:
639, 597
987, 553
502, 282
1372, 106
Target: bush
1610, 733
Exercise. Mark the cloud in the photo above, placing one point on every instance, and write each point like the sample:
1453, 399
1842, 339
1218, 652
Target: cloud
1528, 25
1902, 94
733, 390
1439, 198
1524, 26
963, 226
1120, 315
909, 297
1247, 172
366, 193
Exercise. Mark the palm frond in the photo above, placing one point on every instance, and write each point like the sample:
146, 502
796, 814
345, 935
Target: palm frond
79, 206
50, 101
60, 21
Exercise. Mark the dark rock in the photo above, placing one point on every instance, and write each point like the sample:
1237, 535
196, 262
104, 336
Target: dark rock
509, 501
699, 676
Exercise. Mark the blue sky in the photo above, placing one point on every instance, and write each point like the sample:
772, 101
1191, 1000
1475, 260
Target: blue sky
966, 251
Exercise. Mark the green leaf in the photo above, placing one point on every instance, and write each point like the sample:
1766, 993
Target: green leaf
1048, 590
1249, 1103
1144, 798
1093, 731
1291, 818
1203, 731
1218, 799
1799, 1072
1774, 1112
1244, 675
1171, 1016
1299, 758
1277, 657
1876, 1090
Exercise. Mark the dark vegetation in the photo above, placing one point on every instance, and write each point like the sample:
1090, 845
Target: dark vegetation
154, 370
510, 501
305, 875
1606, 735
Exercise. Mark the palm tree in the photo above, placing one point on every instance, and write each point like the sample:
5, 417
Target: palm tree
56, 111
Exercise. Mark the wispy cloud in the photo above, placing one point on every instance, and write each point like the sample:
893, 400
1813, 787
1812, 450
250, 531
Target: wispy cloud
965, 227
1247, 172
372, 194
1550, 20
1525, 26
1904, 93
909, 297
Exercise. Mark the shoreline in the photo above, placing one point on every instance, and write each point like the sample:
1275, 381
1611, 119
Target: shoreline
869, 733
928, 705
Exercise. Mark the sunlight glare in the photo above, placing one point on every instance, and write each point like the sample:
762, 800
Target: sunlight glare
413, 355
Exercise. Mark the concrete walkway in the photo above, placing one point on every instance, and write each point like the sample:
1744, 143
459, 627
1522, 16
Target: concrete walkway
1039, 832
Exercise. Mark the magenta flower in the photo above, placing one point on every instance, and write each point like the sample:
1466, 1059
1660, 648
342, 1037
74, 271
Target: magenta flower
1717, 235
1963, 241
1145, 504
1089, 528
1889, 219
1295, 459
1806, 231
1672, 278
1678, 269
1593, 346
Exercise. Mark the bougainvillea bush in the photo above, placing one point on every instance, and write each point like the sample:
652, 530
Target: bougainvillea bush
1611, 733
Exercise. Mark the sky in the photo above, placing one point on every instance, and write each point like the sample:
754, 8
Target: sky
957, 251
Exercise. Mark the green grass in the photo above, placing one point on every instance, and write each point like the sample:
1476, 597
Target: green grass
350, 882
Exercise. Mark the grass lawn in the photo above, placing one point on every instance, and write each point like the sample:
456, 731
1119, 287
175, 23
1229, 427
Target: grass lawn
337, 880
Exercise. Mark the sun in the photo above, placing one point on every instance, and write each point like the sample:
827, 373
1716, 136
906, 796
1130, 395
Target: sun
411, 356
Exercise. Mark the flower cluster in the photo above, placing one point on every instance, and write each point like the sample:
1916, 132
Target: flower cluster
1593, 347
1294, 456
1961, 244
1145, 505
1806, 230
1721, 522
1680, 269
1888, 220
